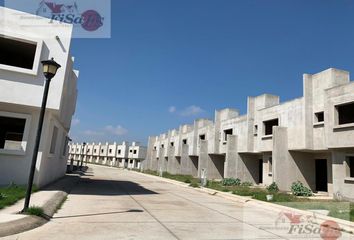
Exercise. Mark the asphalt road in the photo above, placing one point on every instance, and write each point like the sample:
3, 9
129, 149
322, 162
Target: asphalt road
117, 204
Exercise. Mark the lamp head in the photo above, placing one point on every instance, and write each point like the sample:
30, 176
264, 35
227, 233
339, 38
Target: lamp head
50, 68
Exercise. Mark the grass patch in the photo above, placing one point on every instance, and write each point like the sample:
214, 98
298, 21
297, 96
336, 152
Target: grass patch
342, 210
155, 173
177, 177
11, 194
194, 185
193, 182
35, 211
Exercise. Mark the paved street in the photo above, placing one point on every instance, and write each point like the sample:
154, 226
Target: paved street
116, 204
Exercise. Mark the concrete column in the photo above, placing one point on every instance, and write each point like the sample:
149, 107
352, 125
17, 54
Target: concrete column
161, 162
150, 156
189, 164
250, 123
214, 164
173, 165
194, 165
231, 158
281, 161
289, 167
308, 110
203, 156
133, 164
244, 167
153, 161
185, 166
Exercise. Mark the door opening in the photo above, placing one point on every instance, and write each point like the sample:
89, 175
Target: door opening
260, 169
321, 175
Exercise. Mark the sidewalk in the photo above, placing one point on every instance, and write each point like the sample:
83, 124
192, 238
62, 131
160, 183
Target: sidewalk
344, 225
49, 199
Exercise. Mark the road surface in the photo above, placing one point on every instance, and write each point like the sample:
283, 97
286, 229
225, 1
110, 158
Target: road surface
110, 203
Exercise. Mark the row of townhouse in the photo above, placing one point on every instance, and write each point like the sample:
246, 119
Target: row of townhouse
309, 139
26, 40
115, 155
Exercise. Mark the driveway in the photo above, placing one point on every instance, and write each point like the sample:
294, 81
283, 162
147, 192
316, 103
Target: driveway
110, 203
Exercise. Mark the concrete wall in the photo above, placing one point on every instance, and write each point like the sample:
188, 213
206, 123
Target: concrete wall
16, 83
21, 92
293, 148
342, 183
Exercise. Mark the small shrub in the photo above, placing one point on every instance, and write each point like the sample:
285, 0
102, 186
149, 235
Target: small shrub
35, 211
273, 188
187, 181
298, 189
12, 185
195, 185
246, 184
2, 196
231, 182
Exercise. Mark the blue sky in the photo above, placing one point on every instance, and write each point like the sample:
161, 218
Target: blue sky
169, 62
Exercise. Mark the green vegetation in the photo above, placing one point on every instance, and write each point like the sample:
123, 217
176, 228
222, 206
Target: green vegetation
246, 184
193, 182
342, 210
195, 185
11, 194
298, 189
231, 182
273, 188
150, 172
35, 211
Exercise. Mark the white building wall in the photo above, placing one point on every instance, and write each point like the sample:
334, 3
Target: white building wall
21, 92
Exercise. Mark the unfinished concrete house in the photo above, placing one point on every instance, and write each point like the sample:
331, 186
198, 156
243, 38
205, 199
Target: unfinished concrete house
308, 139
114, 155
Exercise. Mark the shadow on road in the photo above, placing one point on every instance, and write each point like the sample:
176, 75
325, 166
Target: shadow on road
88, 186
81, 183
98, 214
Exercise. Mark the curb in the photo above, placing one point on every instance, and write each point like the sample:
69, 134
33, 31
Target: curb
50, 207
319, 219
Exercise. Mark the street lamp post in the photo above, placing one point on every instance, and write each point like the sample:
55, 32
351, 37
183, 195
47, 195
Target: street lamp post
83, 155
50, 68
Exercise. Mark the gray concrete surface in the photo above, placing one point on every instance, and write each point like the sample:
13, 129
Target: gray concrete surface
48, 198
306, 130
109, 203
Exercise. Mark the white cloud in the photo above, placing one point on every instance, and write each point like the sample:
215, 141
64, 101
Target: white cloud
108, 130
172, 109
75, 122
118, 130
191, 111
92, 133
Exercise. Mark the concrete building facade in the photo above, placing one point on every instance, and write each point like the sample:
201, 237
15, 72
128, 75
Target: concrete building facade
114, 155
308, 139
21, 90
